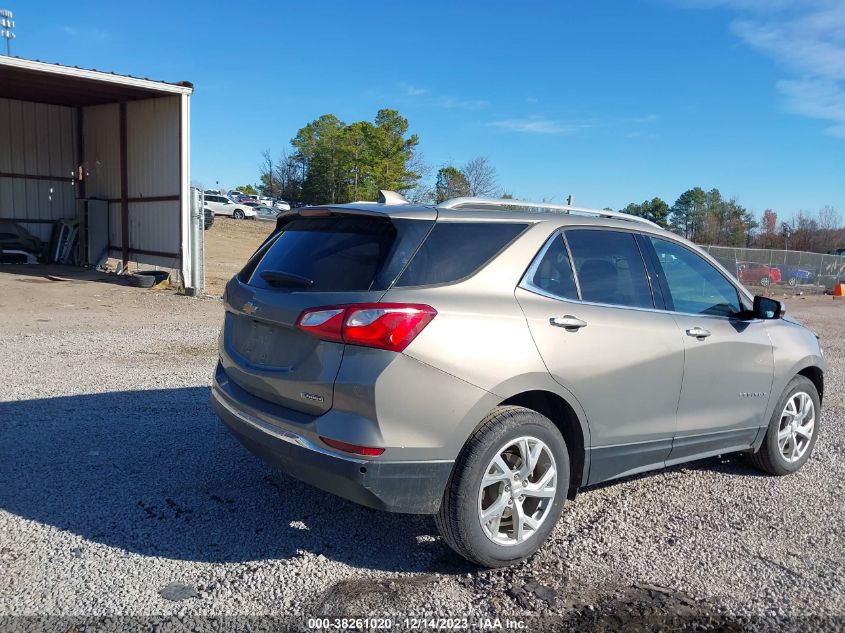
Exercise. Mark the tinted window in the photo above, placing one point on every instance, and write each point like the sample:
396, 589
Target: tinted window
610, 268
455, 250
336, 253
551, 271
694, 285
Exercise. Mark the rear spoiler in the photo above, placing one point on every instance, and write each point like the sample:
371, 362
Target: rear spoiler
410, 212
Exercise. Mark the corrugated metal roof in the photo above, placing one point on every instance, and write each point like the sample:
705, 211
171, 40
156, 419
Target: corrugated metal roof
31, 80
183, 84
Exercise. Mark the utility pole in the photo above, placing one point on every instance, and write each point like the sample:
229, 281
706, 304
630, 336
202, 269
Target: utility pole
787, 231
6, 26
569, 200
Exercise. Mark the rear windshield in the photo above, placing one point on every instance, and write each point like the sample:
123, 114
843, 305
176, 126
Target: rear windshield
335, 254
455, 250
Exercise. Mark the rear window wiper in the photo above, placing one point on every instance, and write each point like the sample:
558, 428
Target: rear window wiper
279, 279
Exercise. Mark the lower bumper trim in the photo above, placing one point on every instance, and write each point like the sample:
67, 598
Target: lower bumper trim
409, 487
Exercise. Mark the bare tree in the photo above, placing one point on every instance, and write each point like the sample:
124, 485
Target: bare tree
829, 219
288, 176
423, 191
481, 177
266, 174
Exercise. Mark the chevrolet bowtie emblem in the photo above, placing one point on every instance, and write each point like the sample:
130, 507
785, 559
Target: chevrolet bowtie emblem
250, 308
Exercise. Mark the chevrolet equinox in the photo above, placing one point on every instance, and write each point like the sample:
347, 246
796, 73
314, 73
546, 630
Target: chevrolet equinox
483, 360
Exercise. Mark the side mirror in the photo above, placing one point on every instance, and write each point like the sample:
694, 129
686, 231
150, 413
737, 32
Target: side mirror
767, 308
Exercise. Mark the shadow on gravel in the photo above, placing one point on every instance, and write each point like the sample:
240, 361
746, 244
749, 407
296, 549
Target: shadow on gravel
154, 472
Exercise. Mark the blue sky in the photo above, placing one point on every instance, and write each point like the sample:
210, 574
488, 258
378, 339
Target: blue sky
612, 102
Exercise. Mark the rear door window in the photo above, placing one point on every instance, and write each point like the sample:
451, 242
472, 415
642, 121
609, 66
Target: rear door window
610, 268
342, 253
456, 250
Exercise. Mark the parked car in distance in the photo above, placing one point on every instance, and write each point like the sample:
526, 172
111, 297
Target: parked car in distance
221, 205
839, 251
793, 275
235, 196
263, 212
482, 361
753, 274
281, 205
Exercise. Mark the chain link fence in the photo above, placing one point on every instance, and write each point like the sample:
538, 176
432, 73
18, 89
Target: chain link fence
775, 271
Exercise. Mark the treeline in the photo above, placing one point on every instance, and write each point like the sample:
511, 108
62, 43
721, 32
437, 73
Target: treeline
707, 217
820, 234
704, 217
334, 162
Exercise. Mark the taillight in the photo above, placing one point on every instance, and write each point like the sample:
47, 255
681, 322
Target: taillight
346, 447
390, 326
326, 323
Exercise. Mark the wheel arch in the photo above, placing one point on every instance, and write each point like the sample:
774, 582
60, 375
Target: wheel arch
570, 425
816, 375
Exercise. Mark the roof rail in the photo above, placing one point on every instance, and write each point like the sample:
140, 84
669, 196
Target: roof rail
456, 203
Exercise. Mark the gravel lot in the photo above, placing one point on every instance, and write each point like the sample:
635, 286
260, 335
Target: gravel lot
117, 481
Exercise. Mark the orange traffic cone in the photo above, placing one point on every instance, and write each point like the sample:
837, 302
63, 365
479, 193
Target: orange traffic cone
839, 290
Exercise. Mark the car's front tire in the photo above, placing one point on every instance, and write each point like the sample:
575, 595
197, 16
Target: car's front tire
507, 488
238, 214
792, 431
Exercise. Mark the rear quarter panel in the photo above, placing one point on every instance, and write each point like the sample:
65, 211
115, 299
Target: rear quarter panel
480, 334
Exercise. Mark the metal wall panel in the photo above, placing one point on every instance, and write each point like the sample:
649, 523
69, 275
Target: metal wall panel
152, 171
154, 226
40, 141
37, 140
114, 223
101, 143
152, 139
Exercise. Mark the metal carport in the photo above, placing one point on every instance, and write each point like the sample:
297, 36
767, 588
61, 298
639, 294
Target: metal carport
70, 135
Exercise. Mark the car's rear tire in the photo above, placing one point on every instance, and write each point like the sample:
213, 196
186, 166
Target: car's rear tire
792, 430
238, 214
499, 508
792, 281
765, 282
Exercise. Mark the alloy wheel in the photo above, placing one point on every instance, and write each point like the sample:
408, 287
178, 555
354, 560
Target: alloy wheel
517, 491
797, 424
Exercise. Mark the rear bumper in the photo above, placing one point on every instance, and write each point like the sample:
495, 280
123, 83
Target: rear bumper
414, 487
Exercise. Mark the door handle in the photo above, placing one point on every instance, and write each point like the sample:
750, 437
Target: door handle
698, 332
568, 322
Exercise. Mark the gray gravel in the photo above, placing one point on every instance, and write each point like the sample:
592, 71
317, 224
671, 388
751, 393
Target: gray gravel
121, 494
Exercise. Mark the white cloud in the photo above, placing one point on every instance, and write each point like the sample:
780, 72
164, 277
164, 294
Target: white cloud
420, 96
410, 90
88, 32
817, 98
537, 125
462, 104
807, 38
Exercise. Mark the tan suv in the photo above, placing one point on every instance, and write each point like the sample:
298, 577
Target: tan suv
483, 360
